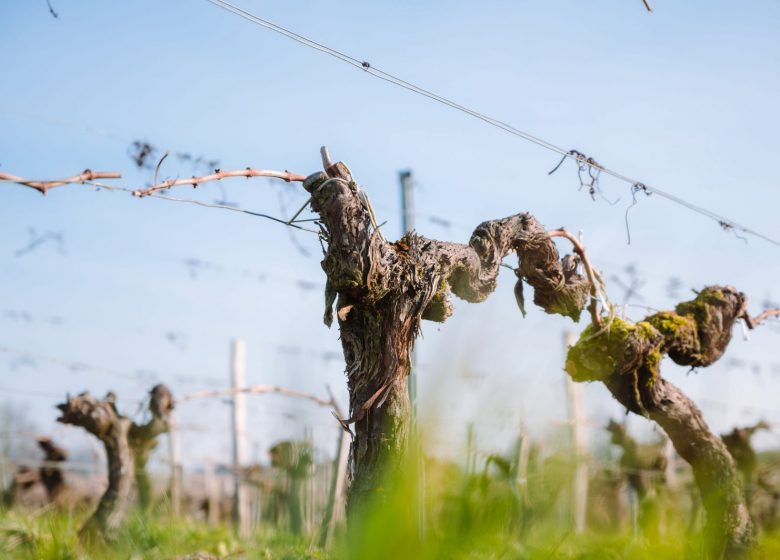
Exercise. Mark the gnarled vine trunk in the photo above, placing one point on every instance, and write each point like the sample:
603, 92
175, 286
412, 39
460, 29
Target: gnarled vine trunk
101, 419
383, 290
627, 357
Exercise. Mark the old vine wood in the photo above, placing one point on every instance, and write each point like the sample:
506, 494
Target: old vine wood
626, 357
382, 290
123, 441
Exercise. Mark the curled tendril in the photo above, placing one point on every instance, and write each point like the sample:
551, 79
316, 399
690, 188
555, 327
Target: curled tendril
635, 188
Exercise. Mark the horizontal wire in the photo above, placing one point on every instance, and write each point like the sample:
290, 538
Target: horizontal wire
83, 366
724, 222
204, 204
101, 185
47, 119
223, 207
283, 348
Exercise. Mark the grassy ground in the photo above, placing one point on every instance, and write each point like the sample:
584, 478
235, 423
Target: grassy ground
52, 535
482, 515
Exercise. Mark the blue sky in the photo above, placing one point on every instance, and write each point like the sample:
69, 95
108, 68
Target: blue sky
683, 99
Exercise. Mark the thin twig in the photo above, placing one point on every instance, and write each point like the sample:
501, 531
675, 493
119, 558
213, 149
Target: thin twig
159, 164
298, 213
43, 186
233, 209
592, 278
195, 181
761, 317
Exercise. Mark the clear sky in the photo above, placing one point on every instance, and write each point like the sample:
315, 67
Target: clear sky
684, 99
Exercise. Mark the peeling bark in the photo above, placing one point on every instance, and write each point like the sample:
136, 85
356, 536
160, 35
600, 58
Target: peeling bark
627, 357
382, 291
101, 419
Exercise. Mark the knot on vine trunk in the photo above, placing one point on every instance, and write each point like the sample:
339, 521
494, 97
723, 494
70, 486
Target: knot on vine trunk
619, 348
142, 436
699, 330
96, 416
160, 401
558, 288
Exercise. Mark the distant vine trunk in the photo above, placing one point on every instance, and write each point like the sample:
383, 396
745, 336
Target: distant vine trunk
627, 357
741, 449
383, 290
51, 475
295, 460
101, 419
143, 439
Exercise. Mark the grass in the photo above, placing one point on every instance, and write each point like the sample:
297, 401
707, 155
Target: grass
52, 535
481, 515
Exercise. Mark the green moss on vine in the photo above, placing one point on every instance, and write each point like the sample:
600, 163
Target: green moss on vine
597, 353
440, 307
699, 307
618, 348
671, 324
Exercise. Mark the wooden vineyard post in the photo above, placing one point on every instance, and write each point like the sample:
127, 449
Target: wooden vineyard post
240, 493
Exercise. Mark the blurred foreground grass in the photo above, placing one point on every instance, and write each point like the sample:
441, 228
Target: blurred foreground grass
52, 535
477, 512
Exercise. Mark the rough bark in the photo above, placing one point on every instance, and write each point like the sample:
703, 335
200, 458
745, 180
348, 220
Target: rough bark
51, 475
382, 291
627, 357
143, 439
116, 432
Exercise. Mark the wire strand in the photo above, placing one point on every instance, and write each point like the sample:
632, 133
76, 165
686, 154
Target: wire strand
206, 205
724, 222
